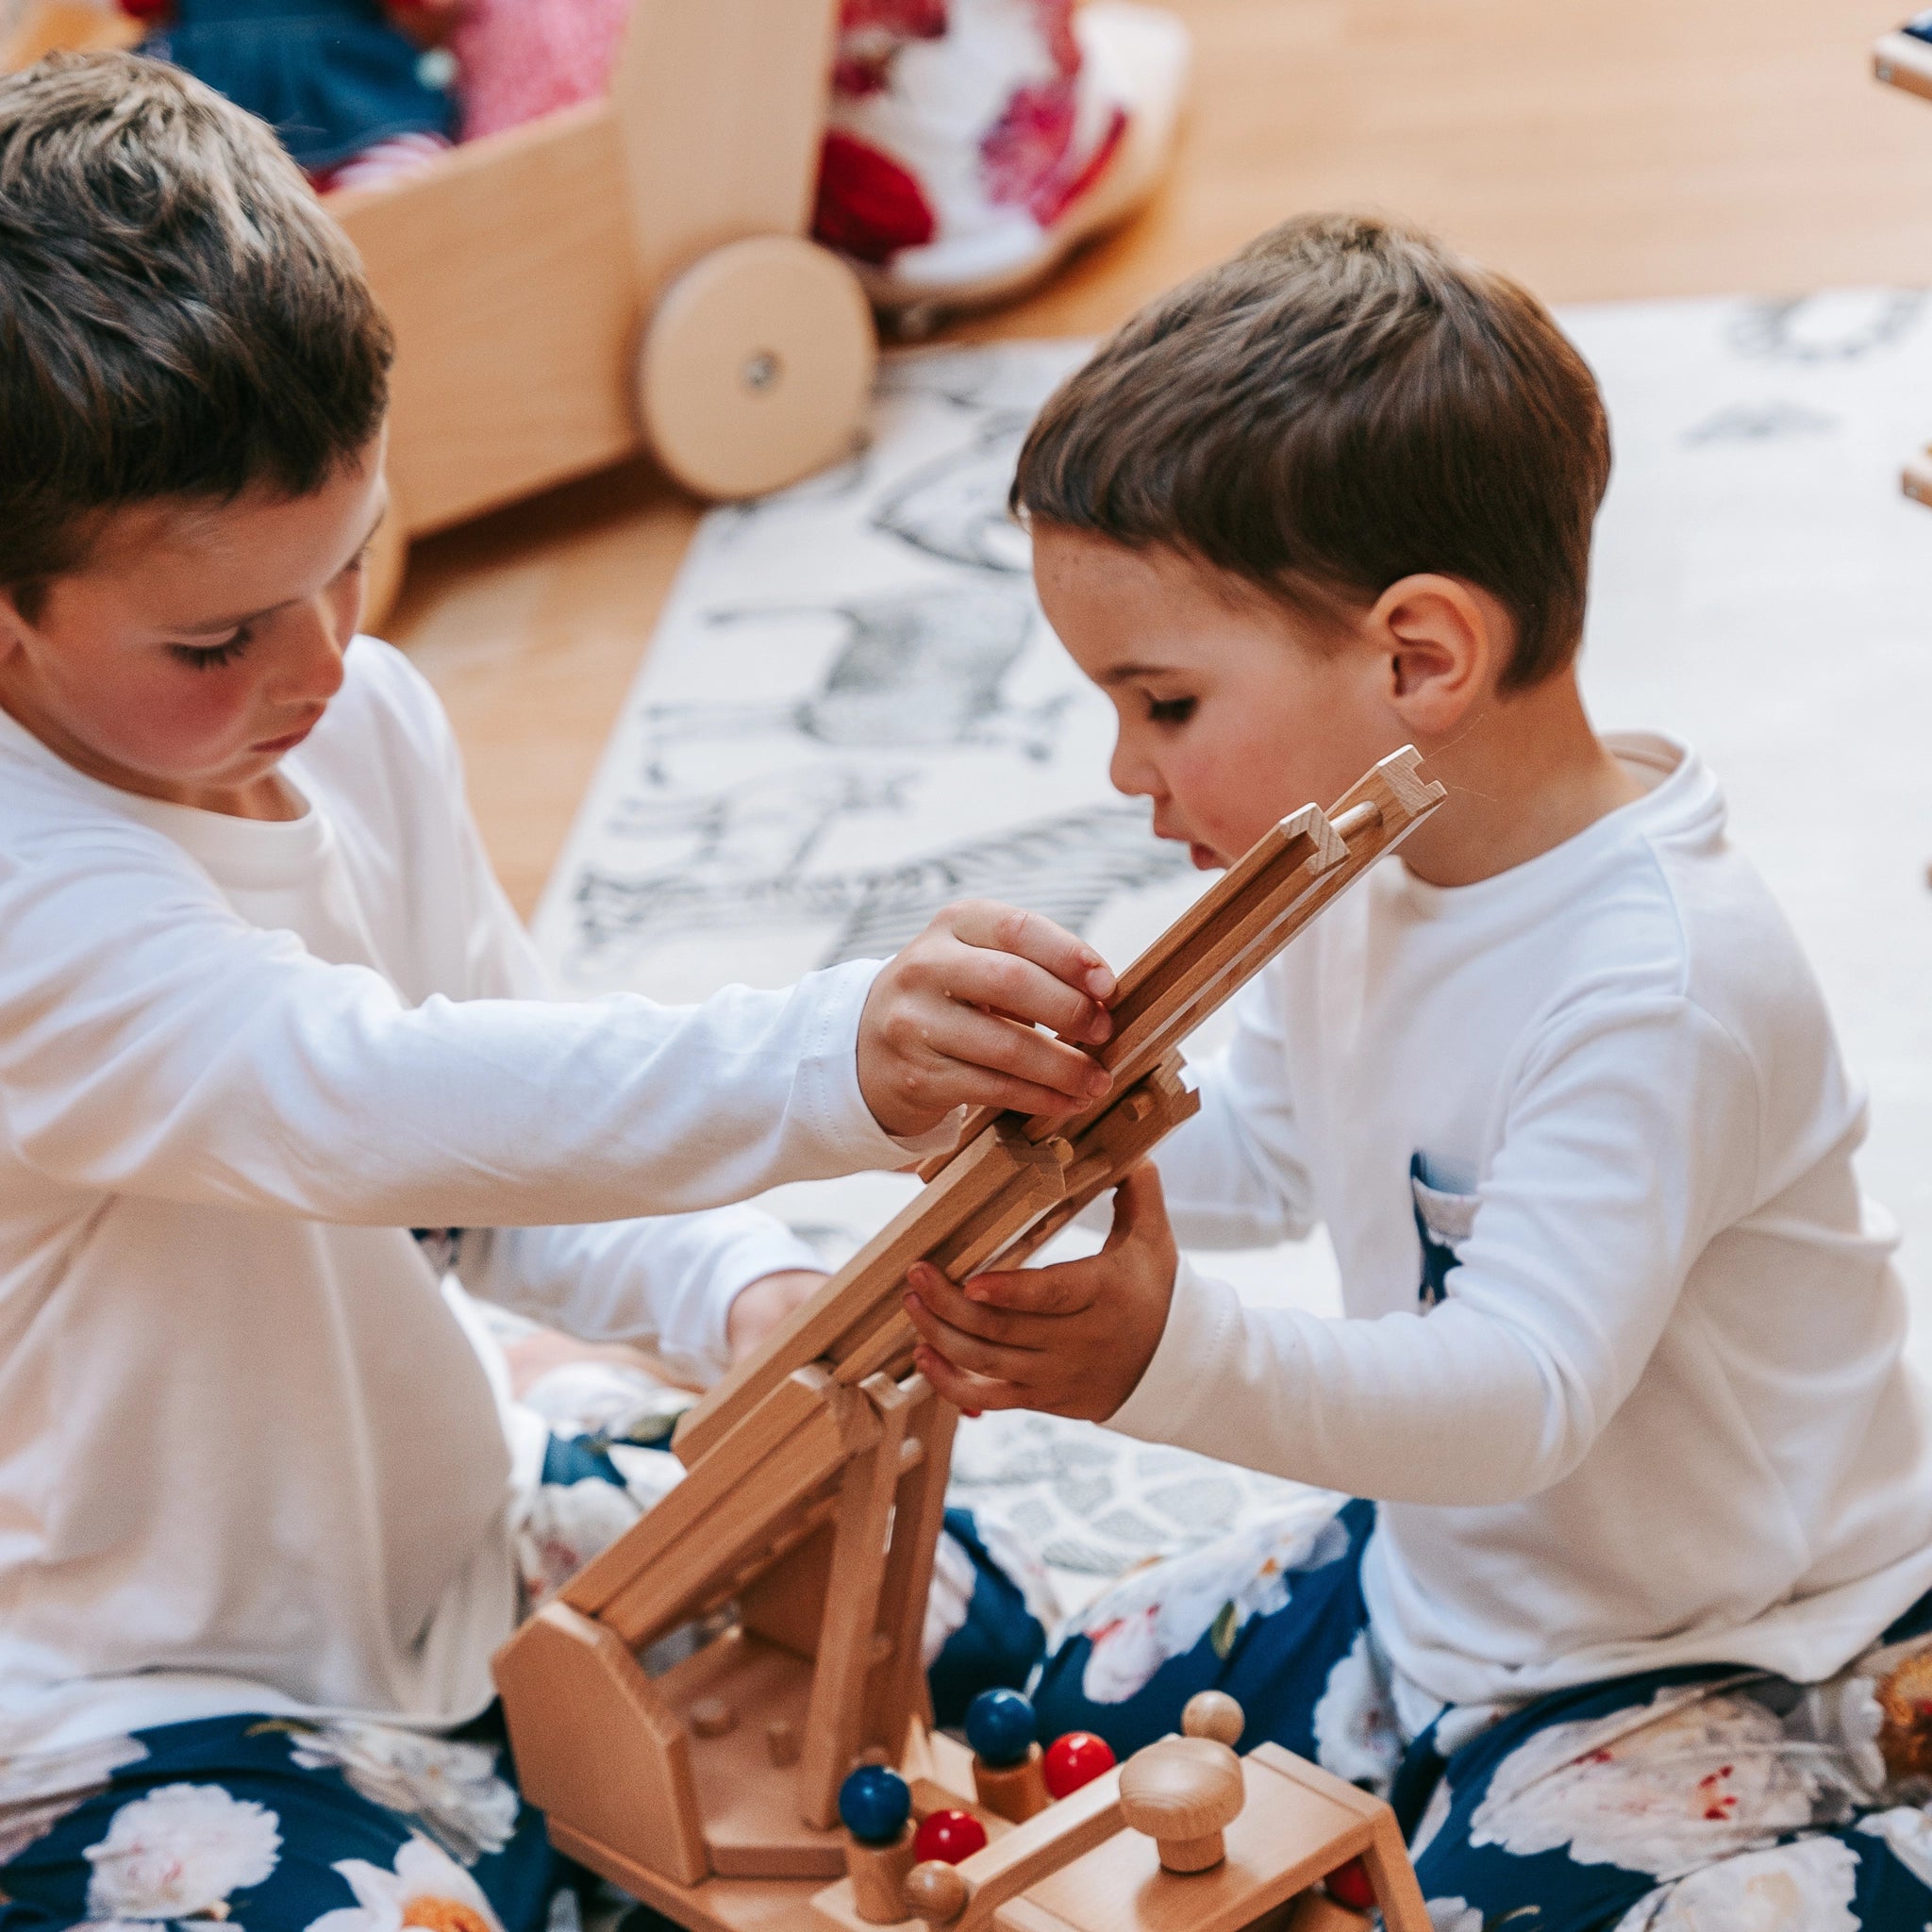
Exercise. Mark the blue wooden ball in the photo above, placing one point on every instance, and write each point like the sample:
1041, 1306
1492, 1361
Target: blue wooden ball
1001, 1727
875, 1804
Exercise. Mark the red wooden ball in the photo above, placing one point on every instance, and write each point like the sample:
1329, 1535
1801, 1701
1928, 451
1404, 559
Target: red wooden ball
1075, 1759
1348, 1885
948, 1836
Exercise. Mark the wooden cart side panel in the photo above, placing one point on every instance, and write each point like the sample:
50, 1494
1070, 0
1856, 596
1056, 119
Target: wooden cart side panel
594, 1741
721, 109
508, 273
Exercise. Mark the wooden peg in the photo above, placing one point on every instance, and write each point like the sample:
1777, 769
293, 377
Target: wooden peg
1183, 1793
878, 1874
781, 1743
1016, 1791
935, 1892
1213, 1714
712, 1716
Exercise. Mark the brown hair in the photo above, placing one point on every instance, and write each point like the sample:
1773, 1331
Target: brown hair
1343, 405
178, 316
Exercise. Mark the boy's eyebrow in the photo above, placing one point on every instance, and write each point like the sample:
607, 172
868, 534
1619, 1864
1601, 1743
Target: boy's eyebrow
214, 625
1123, 673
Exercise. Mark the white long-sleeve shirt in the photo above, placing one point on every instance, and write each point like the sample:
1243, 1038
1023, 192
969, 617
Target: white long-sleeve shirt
1660, 1414
249, 1457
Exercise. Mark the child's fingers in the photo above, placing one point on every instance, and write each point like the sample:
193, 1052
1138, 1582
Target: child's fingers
973, 1394
1002, 983
1032, 936
1001, 1046
997, 1361
1139, 1206
989, 1321
1064, 1289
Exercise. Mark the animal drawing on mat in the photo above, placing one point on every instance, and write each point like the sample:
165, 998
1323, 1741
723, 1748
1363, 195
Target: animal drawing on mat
1068, 865
978, 378
1836, 327
758, 830
920, 667
955, 506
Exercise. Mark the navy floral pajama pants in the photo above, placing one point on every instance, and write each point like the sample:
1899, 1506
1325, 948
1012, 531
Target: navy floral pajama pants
1709, 1800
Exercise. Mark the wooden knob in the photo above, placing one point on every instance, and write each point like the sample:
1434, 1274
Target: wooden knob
935, 1892
1183, 1792
712, 1716
1214, 1714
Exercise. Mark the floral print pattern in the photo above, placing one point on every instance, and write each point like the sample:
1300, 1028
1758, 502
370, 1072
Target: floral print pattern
38, 1789
424, 1886
966, 127
1807, 1886
180, 1852
1165, 1611
1907, 1830
449, 1787
1355, 1732
1692, 1776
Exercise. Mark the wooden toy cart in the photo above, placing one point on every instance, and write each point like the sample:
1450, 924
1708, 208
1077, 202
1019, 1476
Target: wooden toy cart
629, 273
1904, 61
810, 1515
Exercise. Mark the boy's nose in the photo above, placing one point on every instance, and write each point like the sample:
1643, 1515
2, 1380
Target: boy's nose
1130, 775
312, 669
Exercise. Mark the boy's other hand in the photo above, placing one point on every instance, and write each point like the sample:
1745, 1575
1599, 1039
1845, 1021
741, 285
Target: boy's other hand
954, 1019
759, 1306
1074, 1339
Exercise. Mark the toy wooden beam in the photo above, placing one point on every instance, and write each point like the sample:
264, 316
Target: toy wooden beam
1013, 1181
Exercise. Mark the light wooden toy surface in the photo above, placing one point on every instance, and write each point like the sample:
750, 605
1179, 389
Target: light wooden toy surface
1904, 61
810, 1512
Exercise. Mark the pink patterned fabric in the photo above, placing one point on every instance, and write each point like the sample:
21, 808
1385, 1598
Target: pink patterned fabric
520, 58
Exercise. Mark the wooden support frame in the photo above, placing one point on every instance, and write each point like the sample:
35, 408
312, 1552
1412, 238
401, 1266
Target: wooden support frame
813, 1503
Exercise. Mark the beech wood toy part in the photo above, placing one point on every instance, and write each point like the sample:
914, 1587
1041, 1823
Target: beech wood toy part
1904, 61
633, 273
809, 1514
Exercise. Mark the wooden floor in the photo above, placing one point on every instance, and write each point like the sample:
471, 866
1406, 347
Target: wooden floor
1651, 148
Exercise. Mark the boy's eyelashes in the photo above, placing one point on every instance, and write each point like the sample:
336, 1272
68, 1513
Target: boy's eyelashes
1170, 710
212, 656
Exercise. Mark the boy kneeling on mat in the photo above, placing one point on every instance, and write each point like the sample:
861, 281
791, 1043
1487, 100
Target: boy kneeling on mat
1646, 1485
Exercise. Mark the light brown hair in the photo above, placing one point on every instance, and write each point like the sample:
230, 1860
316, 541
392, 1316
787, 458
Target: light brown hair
1345, 403
178, 316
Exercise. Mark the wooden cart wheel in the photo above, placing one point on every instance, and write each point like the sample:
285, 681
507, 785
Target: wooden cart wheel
388, 557
756, 367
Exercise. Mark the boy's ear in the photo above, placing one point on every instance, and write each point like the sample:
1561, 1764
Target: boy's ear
12, 624
1443, 643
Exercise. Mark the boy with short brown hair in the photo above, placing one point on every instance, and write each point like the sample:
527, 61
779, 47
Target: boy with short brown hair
1620, 1366
263, 1010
